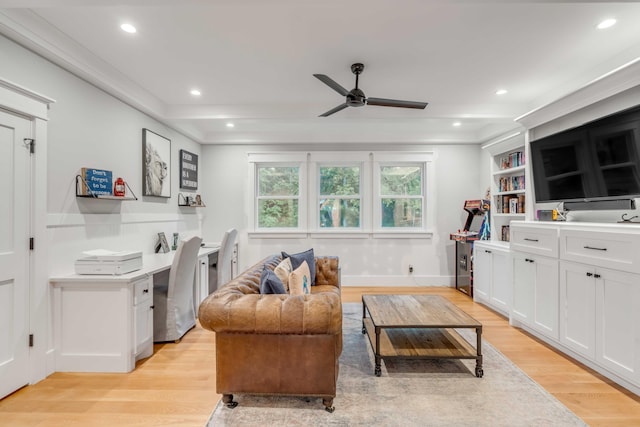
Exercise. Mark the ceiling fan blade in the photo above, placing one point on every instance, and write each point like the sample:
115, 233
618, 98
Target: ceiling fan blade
332, 84
396, 103
334, 110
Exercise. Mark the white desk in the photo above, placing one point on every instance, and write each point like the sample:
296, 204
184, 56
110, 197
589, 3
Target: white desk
104, 323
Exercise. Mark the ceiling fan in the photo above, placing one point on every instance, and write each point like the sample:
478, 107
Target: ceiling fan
356, 98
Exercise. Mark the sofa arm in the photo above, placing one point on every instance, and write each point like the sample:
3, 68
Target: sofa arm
319, 313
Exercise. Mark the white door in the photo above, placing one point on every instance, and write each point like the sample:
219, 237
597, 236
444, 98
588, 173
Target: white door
14, 252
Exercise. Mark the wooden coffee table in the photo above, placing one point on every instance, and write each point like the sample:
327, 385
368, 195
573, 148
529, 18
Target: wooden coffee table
418, 327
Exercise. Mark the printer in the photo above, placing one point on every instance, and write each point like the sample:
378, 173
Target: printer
101, 261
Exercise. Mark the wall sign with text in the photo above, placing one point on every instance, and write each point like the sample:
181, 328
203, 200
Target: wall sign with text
188, 170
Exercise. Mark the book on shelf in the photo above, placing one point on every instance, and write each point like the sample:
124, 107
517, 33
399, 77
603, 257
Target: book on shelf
96, 182
513, 205
505, 233
512, 160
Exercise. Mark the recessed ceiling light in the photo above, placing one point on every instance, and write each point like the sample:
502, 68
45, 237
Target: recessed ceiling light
456, 124
128, 28
230, 125
195, 92
501, 91
606, 23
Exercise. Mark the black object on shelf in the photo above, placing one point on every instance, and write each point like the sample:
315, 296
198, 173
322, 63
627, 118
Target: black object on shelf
82, 184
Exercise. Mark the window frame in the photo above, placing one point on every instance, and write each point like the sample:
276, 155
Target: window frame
309, 164
424, 160
346, 159
258, 160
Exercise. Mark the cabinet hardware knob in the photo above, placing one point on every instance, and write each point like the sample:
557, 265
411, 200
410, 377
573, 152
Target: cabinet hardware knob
589, 274
530, 240
146, 291
152, 307
595, 249
487, 251
597, 276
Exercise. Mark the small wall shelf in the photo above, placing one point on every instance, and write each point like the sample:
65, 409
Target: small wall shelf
81, 183
183, 202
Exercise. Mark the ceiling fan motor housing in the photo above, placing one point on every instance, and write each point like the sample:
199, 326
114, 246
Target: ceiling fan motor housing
356, 98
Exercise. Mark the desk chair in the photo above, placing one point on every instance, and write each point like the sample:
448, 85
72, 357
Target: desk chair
173, 313
225, 254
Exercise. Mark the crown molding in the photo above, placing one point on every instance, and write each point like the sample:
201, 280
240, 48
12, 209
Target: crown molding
609, 84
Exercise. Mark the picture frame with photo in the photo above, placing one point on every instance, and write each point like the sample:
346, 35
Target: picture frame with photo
162, 244
156, 164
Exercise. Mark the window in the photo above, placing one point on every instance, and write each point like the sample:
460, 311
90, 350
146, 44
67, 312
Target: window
402, 186
401, 196
278, 196
339, 197
343, 194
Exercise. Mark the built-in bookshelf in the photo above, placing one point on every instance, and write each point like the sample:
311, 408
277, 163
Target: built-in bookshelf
508, 200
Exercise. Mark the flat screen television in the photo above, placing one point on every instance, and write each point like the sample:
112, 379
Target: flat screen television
599, 160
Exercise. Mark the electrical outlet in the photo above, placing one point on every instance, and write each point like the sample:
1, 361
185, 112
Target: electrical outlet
410, 268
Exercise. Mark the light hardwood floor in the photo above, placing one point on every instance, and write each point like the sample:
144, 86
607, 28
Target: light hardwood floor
176, 386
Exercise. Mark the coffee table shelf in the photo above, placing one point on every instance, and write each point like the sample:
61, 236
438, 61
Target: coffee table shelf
418, 327
420, 343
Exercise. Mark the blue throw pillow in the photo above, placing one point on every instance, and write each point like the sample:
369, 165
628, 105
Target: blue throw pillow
270, 283
296, 261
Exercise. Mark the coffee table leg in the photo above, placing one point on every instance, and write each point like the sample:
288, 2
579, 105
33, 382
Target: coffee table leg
378, 370
364, 330
479, 371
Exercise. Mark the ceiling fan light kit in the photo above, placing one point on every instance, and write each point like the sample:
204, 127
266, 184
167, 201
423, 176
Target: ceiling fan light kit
356, 97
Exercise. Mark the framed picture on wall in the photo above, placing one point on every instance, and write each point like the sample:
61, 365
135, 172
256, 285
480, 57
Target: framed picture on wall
188, 170
156, 164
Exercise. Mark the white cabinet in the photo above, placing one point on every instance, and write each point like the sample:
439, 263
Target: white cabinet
201, 281
535, 277
492, 276
600, 295
143, 318
535, 292
102, 324
577, 286
599, 316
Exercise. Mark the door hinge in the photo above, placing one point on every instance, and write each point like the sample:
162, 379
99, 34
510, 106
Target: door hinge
31, 144
31, 243
30, 340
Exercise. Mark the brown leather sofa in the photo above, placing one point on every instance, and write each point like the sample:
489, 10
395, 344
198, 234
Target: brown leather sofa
277, 344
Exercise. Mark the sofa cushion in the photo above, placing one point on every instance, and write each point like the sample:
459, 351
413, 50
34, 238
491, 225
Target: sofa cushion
283, 270
308, 256
270, 283
300, 280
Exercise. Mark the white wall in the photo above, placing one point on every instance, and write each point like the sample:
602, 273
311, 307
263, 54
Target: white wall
89, 128
365, 261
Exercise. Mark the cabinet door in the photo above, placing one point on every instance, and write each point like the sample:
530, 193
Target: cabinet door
618, 322
546, 296
482, 266
523, 287
577, 308
501, 283
202, 281
143, 318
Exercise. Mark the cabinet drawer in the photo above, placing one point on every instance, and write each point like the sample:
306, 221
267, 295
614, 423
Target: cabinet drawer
536, 240
141, 291
604, 249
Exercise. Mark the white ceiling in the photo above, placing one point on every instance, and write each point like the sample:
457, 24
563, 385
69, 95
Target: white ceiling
254, 61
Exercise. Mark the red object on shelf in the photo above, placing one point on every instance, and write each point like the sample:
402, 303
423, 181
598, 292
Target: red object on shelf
118, 187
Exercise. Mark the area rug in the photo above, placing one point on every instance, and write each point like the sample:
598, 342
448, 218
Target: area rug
409, 393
